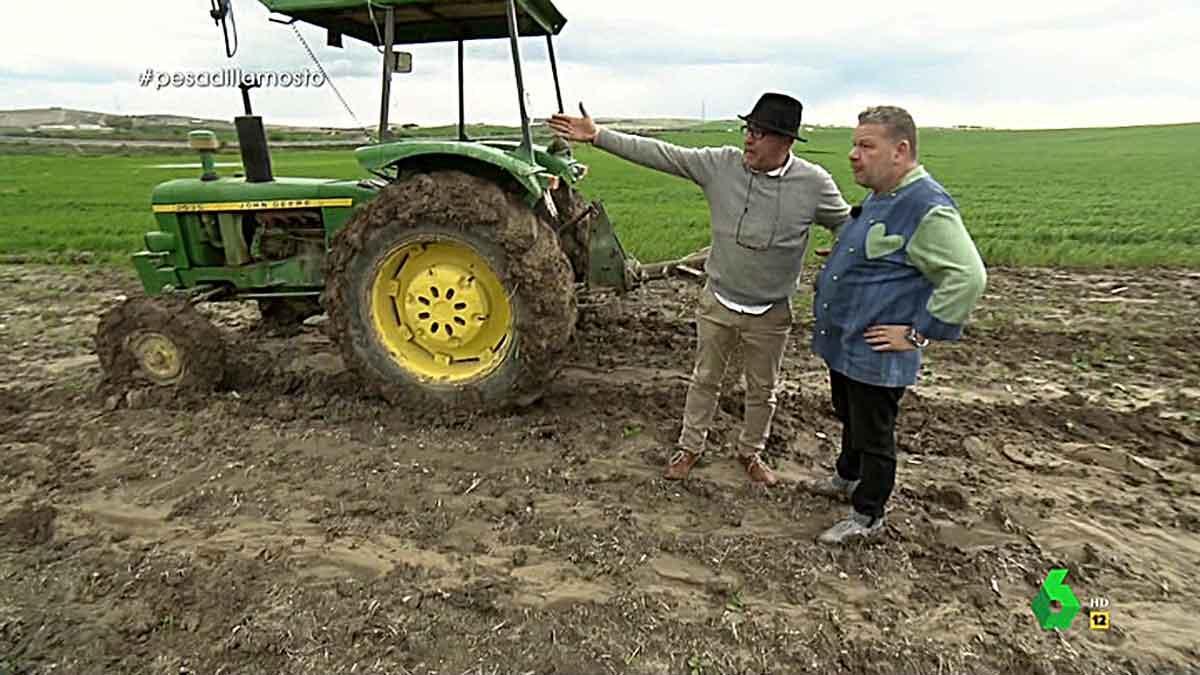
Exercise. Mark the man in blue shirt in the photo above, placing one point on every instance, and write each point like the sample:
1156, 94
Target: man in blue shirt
903, 271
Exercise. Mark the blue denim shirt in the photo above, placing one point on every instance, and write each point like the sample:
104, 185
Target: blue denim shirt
868, 280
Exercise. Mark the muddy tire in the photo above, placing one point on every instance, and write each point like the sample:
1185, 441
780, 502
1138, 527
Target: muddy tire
160, 342
573, 238
391, 279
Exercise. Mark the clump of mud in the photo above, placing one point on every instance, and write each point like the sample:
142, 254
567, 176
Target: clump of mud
28, 525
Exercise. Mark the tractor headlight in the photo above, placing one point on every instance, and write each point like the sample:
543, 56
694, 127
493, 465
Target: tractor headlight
159, 242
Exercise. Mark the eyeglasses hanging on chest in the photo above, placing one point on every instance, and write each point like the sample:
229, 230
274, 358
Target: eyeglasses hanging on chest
759, 220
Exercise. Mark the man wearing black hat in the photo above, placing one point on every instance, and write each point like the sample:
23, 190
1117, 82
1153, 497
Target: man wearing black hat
762, 201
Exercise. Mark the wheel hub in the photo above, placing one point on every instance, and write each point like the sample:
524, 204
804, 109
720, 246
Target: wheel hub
157, 355
448, 305
441, 311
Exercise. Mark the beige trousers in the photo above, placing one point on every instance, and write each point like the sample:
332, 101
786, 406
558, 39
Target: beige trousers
720, 331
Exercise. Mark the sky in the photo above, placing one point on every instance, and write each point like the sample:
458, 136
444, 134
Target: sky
1020, 64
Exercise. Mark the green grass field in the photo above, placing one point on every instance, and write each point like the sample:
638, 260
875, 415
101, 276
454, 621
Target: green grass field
1076, 198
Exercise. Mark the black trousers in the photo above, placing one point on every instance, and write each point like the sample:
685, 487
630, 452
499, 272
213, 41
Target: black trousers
868, 415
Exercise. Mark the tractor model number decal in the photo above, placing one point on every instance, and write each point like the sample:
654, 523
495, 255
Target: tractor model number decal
252, 206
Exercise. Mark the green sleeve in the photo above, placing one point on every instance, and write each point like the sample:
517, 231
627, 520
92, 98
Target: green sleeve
942, 250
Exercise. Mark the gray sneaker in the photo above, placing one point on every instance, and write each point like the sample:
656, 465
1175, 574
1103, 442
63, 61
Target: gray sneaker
834, 487
855, 526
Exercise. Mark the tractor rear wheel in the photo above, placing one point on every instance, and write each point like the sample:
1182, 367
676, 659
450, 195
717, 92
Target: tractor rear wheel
160, 342
446, 291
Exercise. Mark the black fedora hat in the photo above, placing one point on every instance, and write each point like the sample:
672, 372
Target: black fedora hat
778, 113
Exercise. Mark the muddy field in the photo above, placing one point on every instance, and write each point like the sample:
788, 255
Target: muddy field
286, 524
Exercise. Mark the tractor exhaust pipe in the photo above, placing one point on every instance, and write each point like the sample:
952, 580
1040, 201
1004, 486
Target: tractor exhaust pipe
252, 141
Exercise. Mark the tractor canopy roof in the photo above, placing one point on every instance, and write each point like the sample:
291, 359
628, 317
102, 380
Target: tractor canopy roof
419, 21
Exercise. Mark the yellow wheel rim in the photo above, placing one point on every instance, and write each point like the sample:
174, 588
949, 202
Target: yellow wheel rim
441, 312
157, 355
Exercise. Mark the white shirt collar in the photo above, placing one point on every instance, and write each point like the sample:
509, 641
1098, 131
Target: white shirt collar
776, 173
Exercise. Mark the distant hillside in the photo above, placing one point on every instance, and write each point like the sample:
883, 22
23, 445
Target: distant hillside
32, 118
65, 119
61, 120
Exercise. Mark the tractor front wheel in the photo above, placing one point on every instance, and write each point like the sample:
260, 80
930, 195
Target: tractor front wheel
447, 291
160, 342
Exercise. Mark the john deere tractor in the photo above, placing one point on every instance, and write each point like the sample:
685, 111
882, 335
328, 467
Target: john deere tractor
448, 276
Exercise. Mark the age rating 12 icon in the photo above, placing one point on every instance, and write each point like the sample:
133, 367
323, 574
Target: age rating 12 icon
1099, 620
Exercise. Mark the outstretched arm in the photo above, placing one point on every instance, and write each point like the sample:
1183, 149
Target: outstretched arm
698, 165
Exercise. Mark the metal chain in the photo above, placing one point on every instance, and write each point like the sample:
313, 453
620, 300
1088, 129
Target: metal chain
328, 79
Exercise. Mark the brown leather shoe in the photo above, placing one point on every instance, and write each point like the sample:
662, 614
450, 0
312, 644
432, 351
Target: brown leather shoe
758, 471
681, 463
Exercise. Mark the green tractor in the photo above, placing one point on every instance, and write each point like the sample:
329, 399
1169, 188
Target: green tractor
448, 277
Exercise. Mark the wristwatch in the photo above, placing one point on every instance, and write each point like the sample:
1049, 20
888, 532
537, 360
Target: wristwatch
918, 341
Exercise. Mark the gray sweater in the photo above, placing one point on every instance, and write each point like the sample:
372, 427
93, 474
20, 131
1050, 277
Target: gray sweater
759, 223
